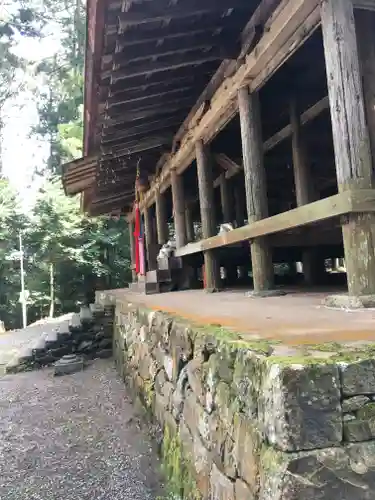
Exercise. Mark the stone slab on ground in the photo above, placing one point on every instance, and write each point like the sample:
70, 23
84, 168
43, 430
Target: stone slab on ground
73, 437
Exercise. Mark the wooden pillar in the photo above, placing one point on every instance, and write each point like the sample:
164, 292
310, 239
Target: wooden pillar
190, 234
255, 185
350, 138
150, 243
132, 250
225, 197
313, 264
207, 208
178, 198
365, 27
161, 219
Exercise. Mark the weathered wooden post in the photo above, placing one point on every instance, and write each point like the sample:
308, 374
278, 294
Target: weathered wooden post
132, 250
207, 208
365, 23
256, 189
178, 198
313, 264
161, 219
351, 144
190, 234
225, 197
150, 246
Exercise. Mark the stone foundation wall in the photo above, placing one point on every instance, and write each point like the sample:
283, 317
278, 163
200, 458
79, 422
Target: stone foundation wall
241, 421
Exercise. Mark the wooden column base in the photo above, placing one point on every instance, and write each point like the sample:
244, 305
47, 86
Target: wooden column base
359, 245
313, 267
212, 272
261, 261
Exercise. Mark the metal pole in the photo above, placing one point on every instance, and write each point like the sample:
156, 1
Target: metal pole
23, 299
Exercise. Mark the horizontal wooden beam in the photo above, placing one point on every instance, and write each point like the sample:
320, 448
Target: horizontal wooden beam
164, 99
162, 78
173, 63
141, 94
134, 116
306, 117
155, 12
328, 208
287, 29
163, 48
136, 147
169, 33
144, 128
364, 4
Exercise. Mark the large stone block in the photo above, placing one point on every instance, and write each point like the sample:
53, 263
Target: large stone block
242, 491
300, 407
248, 376
222, 488
343, 473
199, 421
196, 377
247, 445
358, 377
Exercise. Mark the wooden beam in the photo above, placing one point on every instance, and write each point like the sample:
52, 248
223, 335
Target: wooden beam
364, 4
110, 137
175, 62
161, 13
178, 200
351, 139
143, 97
309, 115
200, 42
284, 33
227, 68
207, 209
333, 207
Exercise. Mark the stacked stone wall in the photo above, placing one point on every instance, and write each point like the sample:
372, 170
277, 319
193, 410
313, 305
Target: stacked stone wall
242, 423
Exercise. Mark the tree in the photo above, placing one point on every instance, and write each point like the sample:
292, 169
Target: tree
16, 20
12, 222
73, 253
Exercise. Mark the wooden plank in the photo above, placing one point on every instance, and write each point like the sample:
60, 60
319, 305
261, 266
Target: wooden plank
284, 34
318, 211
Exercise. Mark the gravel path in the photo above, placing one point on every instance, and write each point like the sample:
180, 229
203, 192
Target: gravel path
75, 437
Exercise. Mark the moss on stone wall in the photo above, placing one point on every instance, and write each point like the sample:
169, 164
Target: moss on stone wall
177, 469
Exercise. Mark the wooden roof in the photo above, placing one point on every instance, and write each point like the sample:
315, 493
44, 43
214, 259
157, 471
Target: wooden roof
79, 175
147, 64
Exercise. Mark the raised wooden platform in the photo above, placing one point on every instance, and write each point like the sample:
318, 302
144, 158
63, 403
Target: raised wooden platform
296, 318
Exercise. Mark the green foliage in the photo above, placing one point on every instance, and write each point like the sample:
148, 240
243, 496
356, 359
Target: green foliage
12, 222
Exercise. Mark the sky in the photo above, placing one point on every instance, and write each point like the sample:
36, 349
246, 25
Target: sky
21, 153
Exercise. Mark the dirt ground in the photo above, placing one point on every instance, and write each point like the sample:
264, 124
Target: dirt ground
75, 437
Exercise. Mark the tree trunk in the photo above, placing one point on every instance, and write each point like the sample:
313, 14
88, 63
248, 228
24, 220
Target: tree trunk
51, 290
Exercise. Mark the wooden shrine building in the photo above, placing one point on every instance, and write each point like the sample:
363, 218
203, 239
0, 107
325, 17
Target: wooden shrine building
258, 113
